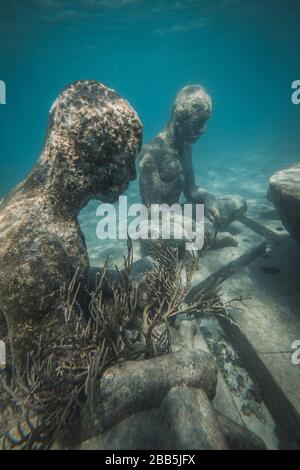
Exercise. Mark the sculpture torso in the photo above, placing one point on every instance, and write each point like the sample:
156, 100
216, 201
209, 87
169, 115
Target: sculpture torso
34, 269
92, 140
165, 170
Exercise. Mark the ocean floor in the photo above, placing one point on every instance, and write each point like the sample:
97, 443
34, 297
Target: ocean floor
258, 234
246, 175
258, 387
246, 400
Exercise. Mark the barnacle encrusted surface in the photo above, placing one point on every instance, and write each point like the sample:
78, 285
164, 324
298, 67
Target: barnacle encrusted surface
92, 140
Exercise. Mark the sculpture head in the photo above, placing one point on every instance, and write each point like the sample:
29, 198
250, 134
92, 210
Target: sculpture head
191, 110
93, 138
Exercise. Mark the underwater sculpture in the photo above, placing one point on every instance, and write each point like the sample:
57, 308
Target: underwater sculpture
92, 140
167, 404
87, 374
284, 192
166, 169
90, 386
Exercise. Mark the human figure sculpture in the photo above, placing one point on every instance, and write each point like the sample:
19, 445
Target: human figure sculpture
92, 140
166, 169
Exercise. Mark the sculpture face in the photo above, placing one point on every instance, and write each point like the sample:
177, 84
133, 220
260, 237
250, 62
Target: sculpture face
193, 125
191, 110
93, 139
119, 175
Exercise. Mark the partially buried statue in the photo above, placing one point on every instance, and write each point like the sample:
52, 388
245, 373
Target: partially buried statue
167, 170
92, 140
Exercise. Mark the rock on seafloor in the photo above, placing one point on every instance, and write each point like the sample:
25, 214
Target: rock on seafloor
284, 191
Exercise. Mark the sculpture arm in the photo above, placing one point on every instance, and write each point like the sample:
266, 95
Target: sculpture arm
192, 191
32, 283
198, 195
150, 182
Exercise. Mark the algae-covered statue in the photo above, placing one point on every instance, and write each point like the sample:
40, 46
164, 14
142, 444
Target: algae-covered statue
92, 140
125, 380
166, 165
85, 377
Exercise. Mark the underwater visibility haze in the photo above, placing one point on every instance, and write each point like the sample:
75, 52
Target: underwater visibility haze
236, 65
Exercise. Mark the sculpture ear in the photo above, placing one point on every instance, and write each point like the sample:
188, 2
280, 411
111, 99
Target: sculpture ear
89, 140
181, 113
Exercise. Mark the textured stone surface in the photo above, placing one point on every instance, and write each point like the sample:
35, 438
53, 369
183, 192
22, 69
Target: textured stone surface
223, 401
92, 140
263, 218
238, 396
267, 327
166, 162
171, 409
149, 431
135, 386
192, 419
142, 431
224, 262
284, 191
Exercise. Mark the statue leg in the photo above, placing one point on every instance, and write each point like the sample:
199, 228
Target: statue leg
230, 209
223, 240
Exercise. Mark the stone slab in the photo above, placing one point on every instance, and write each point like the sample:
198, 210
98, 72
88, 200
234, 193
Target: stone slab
238, 397
223, 262
264, 332
263, 218
223, 401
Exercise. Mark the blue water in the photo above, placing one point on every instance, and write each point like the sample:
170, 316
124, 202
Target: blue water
245, 53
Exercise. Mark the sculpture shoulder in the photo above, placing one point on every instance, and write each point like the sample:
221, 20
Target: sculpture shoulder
154, 152
24, 228
37, 257
32, 218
